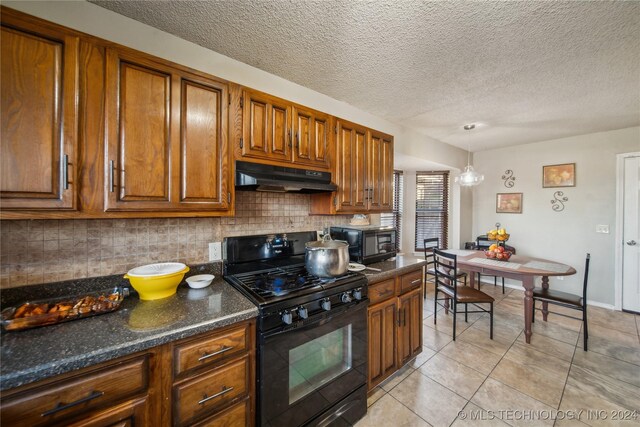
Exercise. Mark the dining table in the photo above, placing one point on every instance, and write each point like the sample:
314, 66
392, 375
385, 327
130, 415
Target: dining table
519, 267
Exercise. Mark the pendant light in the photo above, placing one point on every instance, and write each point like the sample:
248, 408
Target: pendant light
469, 177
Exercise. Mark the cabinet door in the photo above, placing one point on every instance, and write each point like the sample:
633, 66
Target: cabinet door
38, 134
128, 414
382, 341
204, 163
311, 130
138, 165
409, 325
350, 168
266, 127
379, 188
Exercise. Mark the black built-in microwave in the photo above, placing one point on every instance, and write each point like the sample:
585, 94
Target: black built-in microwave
367, 243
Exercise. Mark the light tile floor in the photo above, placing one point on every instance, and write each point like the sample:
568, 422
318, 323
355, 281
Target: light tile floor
476, 381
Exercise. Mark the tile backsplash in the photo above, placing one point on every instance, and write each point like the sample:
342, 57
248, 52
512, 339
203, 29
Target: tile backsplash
40, 251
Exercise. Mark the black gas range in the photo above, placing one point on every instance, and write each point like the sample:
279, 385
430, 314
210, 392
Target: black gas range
312, 332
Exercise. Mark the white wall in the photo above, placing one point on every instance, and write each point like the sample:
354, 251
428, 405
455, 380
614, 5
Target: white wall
568, 235
94, 20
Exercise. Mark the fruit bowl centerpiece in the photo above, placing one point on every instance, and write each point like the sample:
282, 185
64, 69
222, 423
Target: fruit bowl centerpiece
498, 253
497, 250
498, 234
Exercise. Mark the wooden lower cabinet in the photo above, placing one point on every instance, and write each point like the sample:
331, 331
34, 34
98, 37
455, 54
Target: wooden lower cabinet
148, 388
235, 416
131, 413
409, 326
382, 340
395, 325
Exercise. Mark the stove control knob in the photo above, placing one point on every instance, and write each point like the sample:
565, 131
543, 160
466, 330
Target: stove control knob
325, 304
345, 297
302, 312
287, 317
357, 294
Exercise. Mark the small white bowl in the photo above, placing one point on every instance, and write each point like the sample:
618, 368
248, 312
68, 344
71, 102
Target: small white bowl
200, 281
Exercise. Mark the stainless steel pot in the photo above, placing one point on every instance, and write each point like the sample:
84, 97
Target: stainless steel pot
327, 258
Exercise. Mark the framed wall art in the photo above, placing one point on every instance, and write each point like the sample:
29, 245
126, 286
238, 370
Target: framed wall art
509, 203
563, 175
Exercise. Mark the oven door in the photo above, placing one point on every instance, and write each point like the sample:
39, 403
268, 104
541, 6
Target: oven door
307, 370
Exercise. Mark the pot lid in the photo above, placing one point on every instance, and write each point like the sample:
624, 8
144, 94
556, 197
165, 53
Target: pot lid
159, 269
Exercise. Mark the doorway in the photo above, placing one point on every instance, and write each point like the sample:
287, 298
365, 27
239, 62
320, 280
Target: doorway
628, 233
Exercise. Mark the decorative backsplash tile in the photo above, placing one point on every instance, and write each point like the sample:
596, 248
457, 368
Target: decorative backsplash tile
41, 251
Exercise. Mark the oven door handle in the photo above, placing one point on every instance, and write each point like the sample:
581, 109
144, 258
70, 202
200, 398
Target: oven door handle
319, 319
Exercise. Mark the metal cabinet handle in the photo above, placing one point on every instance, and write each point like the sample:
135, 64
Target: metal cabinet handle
61, 406
413, 282
631, 242
289, 132
297, 139
215, 353
224, 391
112, 167
65, 172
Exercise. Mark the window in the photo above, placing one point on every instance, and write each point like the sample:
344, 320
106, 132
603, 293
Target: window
432, 207
394, 218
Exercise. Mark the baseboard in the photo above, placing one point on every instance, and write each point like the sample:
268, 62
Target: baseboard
602, 305
589, 302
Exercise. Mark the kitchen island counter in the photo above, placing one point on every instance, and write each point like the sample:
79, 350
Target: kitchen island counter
36, 354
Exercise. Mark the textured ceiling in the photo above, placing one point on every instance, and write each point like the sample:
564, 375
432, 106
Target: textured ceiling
524, 71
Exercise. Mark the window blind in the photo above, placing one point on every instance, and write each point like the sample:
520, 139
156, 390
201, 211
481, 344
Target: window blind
394, 218
432, 207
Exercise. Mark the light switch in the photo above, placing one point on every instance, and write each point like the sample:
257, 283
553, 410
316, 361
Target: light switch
602, 229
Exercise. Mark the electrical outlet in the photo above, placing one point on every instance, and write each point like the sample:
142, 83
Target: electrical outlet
602, 229
559, 277
215, 251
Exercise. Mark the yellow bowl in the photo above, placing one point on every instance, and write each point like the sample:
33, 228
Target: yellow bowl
157, 287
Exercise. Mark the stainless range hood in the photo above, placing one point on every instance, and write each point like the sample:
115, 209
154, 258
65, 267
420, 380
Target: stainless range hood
279, 179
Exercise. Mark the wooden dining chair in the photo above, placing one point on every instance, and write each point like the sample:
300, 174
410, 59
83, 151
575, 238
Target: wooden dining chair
446, 283
565, 299
429, 245
482, 244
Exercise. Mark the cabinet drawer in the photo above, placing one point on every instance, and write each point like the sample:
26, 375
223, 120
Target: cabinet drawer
236, 416
196, 398
381, 291
205, 351
57, 401
410, 281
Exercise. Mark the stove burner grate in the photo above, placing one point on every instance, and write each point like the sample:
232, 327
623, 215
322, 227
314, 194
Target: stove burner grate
282, 281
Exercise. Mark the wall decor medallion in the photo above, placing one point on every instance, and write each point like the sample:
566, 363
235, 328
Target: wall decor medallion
508, 178
509, 203
559, 199
563, 175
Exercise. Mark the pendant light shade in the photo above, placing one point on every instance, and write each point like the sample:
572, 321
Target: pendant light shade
469, 177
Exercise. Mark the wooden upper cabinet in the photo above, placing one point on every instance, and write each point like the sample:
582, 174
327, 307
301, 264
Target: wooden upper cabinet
203, 145
266, 127
379, 188
139, 134
363, 171
350, 169
38, 135
311, 134
166, 138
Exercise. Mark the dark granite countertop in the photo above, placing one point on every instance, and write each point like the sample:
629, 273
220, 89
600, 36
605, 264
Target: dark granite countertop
32, 355
392, 267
